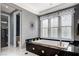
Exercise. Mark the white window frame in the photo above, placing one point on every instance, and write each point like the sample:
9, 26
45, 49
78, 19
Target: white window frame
70, 11
15, 13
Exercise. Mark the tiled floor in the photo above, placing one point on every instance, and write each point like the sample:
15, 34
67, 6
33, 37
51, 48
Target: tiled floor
15, 52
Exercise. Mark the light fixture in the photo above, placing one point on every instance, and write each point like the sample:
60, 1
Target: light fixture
50, 3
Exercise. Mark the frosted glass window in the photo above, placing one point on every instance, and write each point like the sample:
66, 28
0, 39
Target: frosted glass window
66, 25
54, 32
44, 32
60, 25
66, 32
66, 20
54, 27
54, 22
44, 28
45, 23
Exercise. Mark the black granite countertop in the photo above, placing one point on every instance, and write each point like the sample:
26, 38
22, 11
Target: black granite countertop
73, 48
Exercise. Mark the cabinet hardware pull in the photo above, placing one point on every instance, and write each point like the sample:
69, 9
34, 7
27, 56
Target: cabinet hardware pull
42, 51
33, 48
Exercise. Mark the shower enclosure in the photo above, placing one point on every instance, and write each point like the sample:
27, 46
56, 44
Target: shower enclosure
10, 19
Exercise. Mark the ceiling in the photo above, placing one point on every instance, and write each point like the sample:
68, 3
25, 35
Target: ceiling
7, 8
43, 8
36, 8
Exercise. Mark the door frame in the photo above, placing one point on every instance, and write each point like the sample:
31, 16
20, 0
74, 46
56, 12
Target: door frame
8, 27
15, 13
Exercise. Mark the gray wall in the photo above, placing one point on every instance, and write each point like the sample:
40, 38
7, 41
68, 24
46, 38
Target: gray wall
27, 31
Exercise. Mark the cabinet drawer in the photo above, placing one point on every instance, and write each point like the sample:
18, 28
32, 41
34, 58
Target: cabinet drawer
76, 49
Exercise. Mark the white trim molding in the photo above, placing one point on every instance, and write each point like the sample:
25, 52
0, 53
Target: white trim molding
15, 13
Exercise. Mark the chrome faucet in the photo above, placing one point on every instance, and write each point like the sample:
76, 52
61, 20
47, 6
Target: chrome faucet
60, 42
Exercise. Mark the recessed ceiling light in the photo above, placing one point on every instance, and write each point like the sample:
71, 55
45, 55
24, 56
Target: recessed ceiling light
7, 6
50, 3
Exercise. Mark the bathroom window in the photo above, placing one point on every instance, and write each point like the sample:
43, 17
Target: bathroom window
44, 28
66, 26
54, 27
58, 25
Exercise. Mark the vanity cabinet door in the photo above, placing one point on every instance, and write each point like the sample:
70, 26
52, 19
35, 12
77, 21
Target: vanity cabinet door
32, 48
41, 50
76, 49
46, 51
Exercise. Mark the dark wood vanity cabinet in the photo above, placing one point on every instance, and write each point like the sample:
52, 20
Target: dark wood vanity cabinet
46, 51
41, 50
